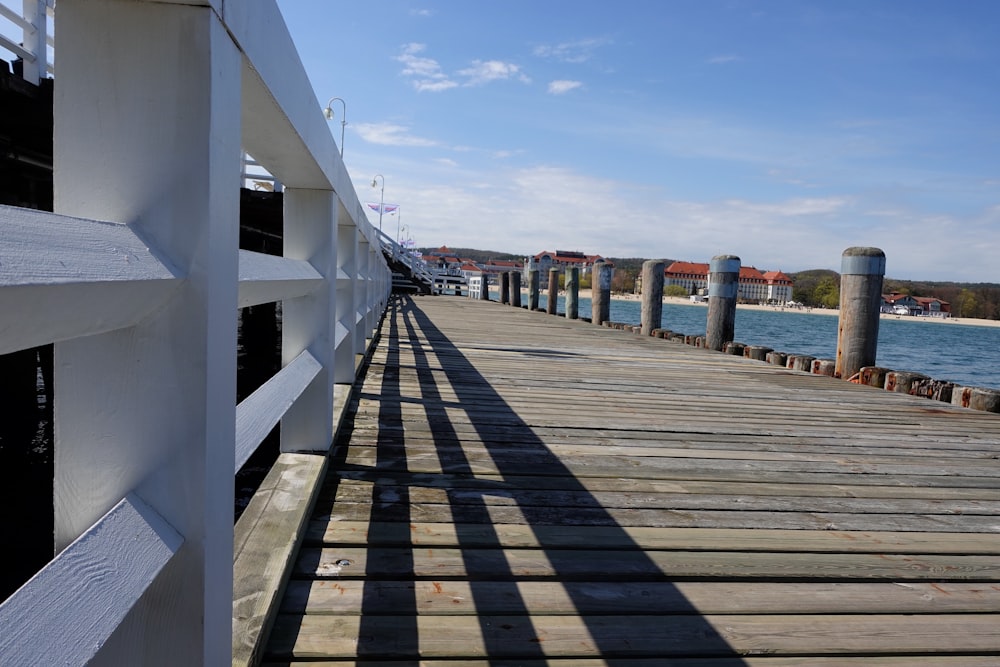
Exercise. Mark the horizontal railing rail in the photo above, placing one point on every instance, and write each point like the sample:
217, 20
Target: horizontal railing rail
137, 279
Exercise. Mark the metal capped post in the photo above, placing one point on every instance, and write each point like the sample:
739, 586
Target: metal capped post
723, 288
861, 273
652, 295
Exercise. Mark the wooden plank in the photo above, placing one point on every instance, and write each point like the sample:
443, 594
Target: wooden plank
451, 598
265, 540
315, 635
84, 593
596, 564
514, 536
557, 492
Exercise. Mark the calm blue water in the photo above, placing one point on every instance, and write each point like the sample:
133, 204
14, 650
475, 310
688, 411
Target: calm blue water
967, 355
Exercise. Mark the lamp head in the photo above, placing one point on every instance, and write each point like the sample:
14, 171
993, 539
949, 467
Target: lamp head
374, 183
328, 112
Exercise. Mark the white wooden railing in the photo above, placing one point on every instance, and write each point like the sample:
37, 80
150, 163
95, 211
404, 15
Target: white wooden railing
27, 35
419, 269
137, 280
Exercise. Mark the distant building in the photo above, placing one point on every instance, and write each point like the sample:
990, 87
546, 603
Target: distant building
560, 259
767, 287
904, 304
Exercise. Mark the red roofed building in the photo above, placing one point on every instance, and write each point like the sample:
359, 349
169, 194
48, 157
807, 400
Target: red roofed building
560, 259
779, 287
773, 286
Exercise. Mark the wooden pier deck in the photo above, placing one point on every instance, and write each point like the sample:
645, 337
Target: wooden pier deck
518, 489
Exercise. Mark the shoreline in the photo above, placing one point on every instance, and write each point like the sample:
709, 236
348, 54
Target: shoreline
678, 301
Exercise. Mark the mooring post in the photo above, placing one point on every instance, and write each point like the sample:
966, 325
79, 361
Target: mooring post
515, 289
553, 294
600, 297
533, 285
723, 288
861, 272
572, 293
504, 287
652, 295
484, 287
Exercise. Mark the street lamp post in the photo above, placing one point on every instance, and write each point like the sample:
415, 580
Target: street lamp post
399, 217
381, 203
328, 112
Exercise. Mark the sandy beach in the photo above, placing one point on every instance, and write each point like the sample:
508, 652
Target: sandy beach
674, 300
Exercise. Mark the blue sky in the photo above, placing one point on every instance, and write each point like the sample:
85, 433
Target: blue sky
781, 132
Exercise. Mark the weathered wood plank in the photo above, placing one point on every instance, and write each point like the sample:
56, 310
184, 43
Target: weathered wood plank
514, 536
455, 598
555, 493
633, 636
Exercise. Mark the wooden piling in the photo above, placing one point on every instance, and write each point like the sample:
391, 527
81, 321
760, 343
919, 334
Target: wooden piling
861, 271
505, 287
572, 293
600, 297
515, 289
484, 289
936, 390
873, 376
757, 352
776, 358
977, 398
901, 382
800, 362
824, 367
553, 294
533, 286
734, 348
723, 288
652, 295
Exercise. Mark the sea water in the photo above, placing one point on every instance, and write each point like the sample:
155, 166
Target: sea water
968, 355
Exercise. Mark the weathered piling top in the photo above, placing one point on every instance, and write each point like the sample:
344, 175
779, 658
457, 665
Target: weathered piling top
517, 488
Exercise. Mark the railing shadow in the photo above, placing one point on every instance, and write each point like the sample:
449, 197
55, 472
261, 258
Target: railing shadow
442, 368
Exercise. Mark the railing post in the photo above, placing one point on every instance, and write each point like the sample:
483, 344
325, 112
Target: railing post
362, 296
533, 281
600, 293
861, 272
346, 338
515, 289
652, 295
572, 293
35, 41
723, 288
553, 294
308, 322
504, 287
148, 128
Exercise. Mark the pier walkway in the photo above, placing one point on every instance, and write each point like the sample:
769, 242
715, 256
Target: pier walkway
514, 488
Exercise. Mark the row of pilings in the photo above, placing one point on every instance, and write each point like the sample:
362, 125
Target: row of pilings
862, 273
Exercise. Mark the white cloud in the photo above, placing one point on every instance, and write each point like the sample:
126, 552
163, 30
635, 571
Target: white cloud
421, 12
482, 72
576, 52
390, 134
563, 86
723, 59
425, 72
525, 210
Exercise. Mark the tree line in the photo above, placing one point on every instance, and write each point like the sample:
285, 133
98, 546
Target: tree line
820, 288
